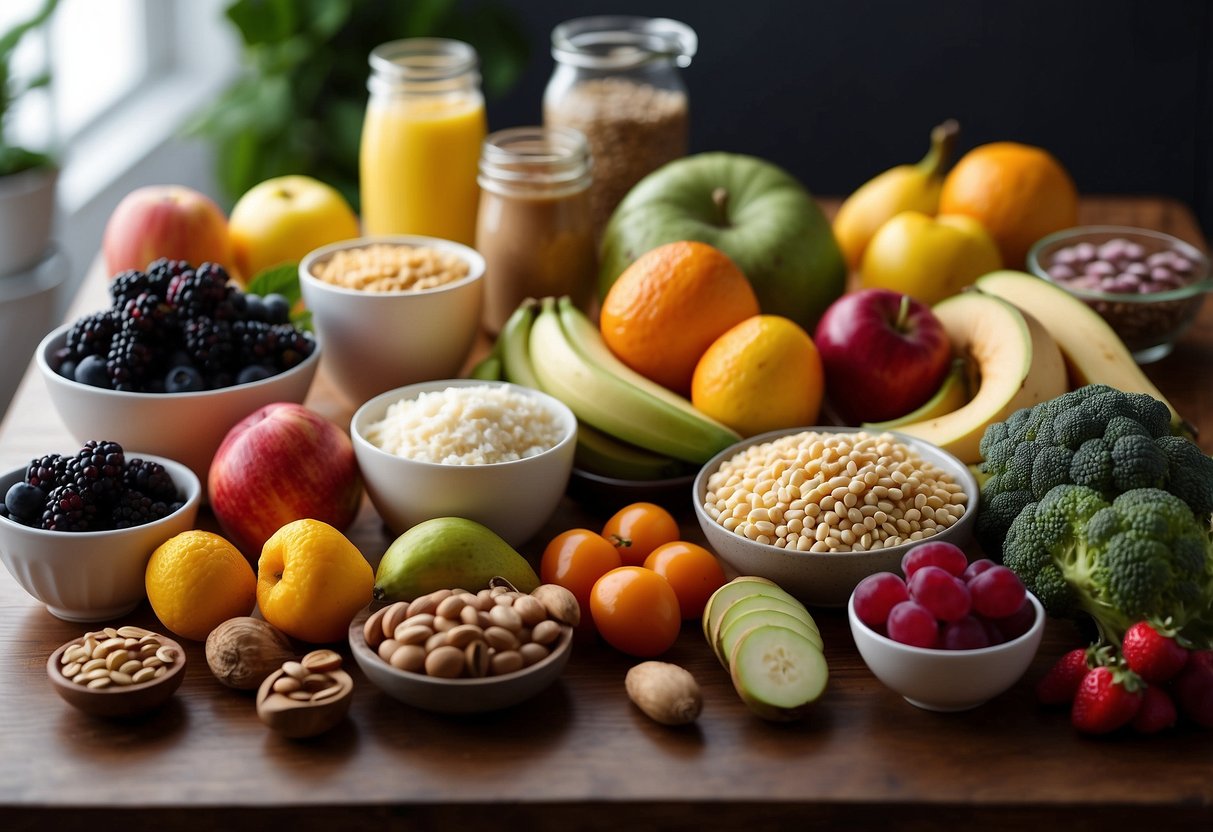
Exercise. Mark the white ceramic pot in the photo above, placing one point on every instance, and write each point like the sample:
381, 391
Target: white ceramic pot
27, 311
27, 212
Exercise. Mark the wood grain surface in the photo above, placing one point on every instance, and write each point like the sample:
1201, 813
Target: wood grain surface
580, 756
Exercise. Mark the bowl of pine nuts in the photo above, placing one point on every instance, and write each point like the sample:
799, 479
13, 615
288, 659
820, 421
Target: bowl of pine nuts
818, 509
117, 672
393, 310
458, 652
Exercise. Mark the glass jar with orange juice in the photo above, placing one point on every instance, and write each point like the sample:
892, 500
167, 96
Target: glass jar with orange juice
421, 140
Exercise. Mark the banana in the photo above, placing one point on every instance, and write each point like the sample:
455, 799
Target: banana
606, 456
604, 394
487, 369
903, 188
514, 345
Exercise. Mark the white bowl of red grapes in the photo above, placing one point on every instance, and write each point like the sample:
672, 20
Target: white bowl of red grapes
179, 357
1146, 284
77, 529
952, 634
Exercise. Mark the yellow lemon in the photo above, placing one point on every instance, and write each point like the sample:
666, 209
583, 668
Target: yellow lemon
763, 374
196, 581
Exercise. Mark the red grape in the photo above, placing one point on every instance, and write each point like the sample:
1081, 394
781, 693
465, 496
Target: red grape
876, 595
997, 592
965, 634
976, 568
913, 624
940, 592
935, 553
1017, 623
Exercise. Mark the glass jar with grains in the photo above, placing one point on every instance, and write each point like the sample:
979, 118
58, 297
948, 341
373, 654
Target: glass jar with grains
534, 228
617, 81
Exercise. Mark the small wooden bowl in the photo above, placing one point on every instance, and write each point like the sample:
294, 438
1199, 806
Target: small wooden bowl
296, 719
117, 700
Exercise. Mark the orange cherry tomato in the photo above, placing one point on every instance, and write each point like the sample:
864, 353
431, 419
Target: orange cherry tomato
636, 611
638, 529
692, 571
575, 560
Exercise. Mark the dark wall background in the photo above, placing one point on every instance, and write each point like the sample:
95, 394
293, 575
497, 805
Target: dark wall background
836, 91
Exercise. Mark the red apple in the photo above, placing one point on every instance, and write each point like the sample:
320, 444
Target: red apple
165, 221
282, 463
884, 354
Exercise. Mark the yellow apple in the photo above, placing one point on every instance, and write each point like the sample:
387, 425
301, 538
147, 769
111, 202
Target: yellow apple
282, 219
928, 258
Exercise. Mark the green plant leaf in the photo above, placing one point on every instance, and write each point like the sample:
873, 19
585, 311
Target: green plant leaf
282, 279
264, 21
324, 18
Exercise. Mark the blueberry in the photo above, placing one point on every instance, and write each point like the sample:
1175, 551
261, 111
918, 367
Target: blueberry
254, 308
91, 370
68, 369
183, 379
277, 309
253, 372
25, 502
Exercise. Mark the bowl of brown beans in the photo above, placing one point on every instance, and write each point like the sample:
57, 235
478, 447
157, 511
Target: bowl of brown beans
1147, 285
456, 651
393, 311
117, 672
818, 509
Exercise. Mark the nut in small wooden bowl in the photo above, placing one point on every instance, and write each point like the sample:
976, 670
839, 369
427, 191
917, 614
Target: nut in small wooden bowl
115, 687
302, 700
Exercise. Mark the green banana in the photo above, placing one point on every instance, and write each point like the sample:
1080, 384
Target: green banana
580, 371
488, 368
513, 344
606, 456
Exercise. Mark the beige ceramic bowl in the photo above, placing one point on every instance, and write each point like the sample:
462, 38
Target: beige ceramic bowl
458, 696
377, 341
824, 579
514, 499
115, 700
92, 576
187, 427
947, 680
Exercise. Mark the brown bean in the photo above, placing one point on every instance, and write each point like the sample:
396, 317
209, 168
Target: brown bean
545, 632
445, 662
410, 657
396, 613
506, 617
387, 647
469, 614
499, 638
408, 633
450, 607
530, 610
476, 656
463, 635
322, 661
505, 661
532, 653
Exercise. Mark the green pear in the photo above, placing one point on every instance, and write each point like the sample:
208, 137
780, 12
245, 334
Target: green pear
445, 553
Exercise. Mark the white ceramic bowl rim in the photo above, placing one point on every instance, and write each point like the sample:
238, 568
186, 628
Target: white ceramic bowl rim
411, 391
960, 472
52, 342
1037, 623
184, 478
476, 264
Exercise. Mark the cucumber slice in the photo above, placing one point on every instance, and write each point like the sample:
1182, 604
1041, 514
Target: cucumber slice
732, 632
735, 590
778, 673
754, 603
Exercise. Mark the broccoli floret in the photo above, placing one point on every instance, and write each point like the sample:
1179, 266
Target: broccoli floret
1144, 556
1095, 436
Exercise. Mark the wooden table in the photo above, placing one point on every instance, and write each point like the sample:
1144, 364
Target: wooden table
580, 756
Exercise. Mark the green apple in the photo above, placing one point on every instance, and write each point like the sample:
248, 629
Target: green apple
282, 219
750, 209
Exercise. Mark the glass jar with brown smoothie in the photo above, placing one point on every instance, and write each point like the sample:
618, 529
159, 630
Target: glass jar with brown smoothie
534, 226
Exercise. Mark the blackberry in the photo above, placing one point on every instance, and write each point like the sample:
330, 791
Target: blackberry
153, 319
69, 510
129, 285
46, 472
130, 362
256, 342
150, 479
200, 292
135, 509
292, 347
208, 343
97, 469
160, 274
91, 335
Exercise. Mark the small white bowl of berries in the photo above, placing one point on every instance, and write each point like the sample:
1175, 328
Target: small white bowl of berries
951, 635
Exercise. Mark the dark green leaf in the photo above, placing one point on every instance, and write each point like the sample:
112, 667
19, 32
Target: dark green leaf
324, 18
282, 279
264, 21
10, 39
302, 318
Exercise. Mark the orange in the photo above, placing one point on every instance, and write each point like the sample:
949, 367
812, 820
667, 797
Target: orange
763, 374
311, 581
1018, 192
196, 581
670, 305
692, 571
636, 611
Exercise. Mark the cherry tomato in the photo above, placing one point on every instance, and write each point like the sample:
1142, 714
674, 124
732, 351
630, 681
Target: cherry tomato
636, 611
638, 529
692, 571
575, 560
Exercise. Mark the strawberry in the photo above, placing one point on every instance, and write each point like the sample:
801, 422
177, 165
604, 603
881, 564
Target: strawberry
1157, 712
1152, 651
1060, 684
1193, 688
1108, 698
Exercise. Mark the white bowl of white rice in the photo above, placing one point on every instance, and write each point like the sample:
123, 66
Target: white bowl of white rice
493, 452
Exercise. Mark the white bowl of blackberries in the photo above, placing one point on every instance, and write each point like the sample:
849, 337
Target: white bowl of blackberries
180, 356
1147, 285
77, 529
